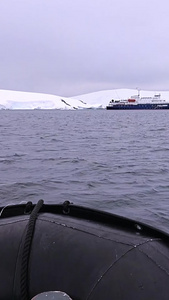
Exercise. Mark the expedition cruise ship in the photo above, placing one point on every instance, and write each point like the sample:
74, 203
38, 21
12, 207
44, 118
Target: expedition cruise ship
137, 102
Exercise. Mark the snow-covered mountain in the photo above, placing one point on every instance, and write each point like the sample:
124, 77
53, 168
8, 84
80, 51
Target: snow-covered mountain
27, 100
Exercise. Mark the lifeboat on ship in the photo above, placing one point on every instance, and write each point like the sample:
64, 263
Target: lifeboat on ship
131, 100
85, 253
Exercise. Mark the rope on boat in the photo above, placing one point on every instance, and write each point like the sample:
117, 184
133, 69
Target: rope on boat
24, 286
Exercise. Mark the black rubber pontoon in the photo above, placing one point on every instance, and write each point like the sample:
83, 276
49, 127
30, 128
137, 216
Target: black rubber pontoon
88, 254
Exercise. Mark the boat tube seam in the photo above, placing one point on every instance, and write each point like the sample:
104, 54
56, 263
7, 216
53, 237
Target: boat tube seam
87, 232
25, 218
149, 257
14, 222
161, 253
116, 261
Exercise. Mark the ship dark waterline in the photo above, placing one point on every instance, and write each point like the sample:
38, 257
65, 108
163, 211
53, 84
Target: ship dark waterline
137, 102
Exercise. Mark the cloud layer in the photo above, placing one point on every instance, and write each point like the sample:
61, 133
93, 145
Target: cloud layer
72, 47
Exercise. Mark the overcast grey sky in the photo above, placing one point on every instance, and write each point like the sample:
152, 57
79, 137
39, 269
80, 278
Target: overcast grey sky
71, 47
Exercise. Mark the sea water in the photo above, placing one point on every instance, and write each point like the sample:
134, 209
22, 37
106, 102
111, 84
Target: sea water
116, 161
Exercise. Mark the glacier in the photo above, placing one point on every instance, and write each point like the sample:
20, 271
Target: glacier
27, 100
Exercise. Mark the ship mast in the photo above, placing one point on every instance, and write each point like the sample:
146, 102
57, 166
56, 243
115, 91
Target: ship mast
138, 90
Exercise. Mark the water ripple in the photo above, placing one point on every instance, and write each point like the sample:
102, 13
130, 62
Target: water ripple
115, 161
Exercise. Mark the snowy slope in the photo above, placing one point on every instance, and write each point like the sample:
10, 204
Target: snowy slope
25, 100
